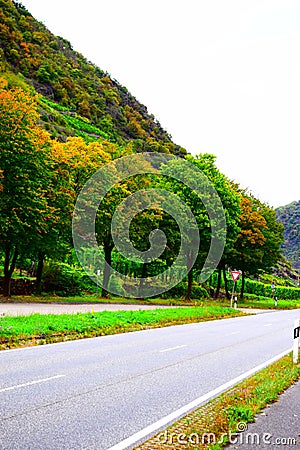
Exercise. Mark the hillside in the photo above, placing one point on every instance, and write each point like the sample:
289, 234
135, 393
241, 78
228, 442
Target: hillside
78, 98
289, 216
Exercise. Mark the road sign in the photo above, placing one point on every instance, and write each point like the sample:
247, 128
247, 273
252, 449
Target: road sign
235, 275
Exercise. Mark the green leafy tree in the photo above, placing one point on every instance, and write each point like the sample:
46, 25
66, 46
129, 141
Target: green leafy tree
120, 191
200, 205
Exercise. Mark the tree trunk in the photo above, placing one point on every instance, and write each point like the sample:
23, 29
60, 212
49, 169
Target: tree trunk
190, 275
39, 272
189, 286
218, 288
143, 276
243, 285
226, 283
211, 288
107, 269
9, 267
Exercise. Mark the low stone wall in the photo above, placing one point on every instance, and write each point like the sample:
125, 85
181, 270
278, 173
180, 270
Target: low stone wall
19, 286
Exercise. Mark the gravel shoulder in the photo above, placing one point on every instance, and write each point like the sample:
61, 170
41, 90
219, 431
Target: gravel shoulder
25, 309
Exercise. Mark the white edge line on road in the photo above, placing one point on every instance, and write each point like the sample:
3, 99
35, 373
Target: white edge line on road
30, 383
160, 424
171, 348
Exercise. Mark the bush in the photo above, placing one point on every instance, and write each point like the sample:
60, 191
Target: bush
116, 285
180, 289
63, 280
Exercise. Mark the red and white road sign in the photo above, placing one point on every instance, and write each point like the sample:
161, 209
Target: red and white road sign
235, 274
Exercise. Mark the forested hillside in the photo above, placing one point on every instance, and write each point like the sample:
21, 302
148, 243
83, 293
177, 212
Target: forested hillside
289, 216
82, 120
78, 97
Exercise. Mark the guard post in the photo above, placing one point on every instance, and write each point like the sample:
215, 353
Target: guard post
235, 302
296, 341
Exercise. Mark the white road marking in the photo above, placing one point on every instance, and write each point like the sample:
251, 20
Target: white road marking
268, 325
30, 383
162, 423
231, 334
171, 348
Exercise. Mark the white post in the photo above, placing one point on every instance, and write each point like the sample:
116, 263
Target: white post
98, 275
231, 300
296, 341
235, 303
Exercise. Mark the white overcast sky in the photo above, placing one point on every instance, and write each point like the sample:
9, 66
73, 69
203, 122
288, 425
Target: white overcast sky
222, 77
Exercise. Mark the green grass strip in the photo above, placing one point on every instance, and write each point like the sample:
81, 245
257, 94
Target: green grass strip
250, 301
254, 301
39, 329
219, 420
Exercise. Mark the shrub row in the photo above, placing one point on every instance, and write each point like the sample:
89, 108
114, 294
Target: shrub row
65, 280
265, 290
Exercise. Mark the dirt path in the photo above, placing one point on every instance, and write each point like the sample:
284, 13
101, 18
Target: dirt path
25, 309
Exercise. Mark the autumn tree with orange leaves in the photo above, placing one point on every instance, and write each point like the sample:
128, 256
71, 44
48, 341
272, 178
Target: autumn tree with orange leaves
258, 242
73, 162
25, 168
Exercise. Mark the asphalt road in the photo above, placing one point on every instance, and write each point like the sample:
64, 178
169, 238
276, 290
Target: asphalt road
95, 393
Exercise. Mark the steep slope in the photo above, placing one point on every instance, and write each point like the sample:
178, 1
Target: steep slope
79, 98
289, 216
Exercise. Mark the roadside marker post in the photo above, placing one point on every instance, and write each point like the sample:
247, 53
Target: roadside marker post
98, 275
296, 341
235, 302
235, 275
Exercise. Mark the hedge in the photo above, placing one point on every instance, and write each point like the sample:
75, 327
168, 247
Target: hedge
265, 290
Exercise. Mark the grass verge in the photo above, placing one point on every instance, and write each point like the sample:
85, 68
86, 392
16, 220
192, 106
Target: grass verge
93, 298
42, 329
229, 413
250, 301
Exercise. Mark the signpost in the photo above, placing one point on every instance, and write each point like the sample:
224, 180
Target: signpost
235, 275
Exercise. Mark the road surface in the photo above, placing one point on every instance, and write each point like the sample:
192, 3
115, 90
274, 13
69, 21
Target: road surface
96, 393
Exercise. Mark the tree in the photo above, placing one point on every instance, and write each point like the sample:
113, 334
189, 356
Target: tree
217, 201
121, 190
73, 162
230, 199
25, 166
273, 234
258, 243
